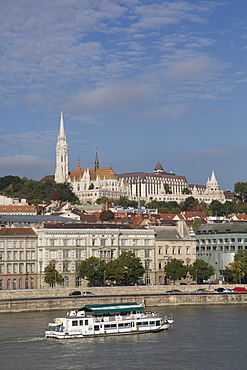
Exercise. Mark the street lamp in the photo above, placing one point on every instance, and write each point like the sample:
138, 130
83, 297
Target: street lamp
239, 276
196, 275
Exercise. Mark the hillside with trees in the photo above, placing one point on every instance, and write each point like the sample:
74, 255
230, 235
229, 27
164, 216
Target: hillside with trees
36, 192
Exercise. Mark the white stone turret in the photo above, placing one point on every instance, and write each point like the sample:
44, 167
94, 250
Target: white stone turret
62, 154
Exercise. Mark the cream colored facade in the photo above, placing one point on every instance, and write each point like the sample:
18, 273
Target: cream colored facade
172, 242
66, 248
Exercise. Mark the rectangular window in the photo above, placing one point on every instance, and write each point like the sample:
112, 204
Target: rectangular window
20, 244
21, 268
9, 256
1, 269
8, 268
65, 267
15, 268
1, 244
65, 242
74, 322
187, 250
27, 256
32, 255
66, 254
14, 244
102, 242
78, 242
147, 254
1, 256
9, 244
146, 242
15, 256
78, 254
21, 255
52, 254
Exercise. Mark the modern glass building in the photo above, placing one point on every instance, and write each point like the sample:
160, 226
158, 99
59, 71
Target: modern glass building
217, 244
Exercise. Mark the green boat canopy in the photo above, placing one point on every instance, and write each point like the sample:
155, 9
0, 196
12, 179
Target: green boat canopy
112, 308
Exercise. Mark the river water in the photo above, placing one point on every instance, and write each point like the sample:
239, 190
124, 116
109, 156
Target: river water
202, 337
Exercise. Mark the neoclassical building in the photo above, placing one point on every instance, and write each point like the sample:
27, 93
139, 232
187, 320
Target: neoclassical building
91, 184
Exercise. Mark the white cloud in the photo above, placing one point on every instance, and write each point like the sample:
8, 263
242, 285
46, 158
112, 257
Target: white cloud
111, 98
214, 152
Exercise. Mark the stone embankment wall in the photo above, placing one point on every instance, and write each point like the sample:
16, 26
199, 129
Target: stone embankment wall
51, 299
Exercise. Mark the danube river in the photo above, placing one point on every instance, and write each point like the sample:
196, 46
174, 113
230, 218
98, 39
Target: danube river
202, 337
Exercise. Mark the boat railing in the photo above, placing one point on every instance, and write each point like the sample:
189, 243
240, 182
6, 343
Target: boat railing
127, 317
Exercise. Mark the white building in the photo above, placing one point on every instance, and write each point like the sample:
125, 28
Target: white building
91, 184
66, 247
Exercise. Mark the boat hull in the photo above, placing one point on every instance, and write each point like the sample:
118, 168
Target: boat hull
49, 334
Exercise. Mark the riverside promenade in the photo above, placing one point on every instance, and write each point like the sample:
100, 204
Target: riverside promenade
58, 298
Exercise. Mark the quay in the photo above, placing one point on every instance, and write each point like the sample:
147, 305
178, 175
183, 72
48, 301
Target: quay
58, 298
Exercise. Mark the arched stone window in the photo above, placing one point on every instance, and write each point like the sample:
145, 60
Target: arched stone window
66, 281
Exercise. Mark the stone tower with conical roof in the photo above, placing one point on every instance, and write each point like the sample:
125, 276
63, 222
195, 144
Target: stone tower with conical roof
62, 154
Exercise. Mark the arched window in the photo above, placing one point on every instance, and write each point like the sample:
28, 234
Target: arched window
78, 281
66, 281
8, 284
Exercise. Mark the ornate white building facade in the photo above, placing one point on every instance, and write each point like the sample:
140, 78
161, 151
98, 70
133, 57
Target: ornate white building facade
91, 184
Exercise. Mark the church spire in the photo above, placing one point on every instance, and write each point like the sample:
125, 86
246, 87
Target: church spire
61, 131
62, 154
96, 163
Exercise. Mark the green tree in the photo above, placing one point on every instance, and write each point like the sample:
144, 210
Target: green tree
106, 216
201, 270
235, 271
190, 204
240, 188
128, 268
167, 188
175, 270
93, 269
52, 276
186, 191
196, 222
217, 208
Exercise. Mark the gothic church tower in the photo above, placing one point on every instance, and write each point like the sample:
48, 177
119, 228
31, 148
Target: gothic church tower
62, 154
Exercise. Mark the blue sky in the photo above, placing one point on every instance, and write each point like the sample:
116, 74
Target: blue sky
141, 81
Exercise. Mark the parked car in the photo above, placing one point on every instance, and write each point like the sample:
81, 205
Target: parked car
202, 290
88, 294
223, 290
240, 289
75, 292
173, 291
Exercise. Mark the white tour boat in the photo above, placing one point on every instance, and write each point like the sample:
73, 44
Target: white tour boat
107, 319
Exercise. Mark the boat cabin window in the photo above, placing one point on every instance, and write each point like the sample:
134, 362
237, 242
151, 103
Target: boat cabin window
158, 323
152, 322
74, 322
86, 322
81, 322
96, 327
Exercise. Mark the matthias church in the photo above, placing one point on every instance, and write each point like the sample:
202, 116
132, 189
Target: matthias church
91, 184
